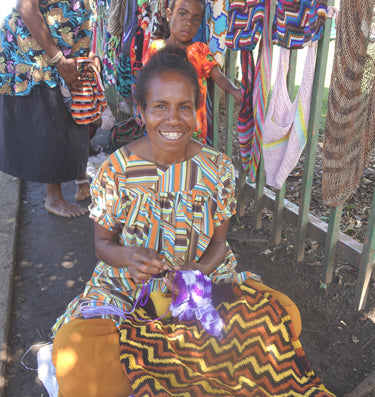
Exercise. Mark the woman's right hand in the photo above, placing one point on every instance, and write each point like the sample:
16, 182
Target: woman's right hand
67, 68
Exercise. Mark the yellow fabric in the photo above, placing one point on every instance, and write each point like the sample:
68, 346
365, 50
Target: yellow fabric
285, 301
86, 354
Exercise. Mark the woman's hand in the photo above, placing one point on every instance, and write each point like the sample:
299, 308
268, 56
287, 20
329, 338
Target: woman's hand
143, 263
67, 68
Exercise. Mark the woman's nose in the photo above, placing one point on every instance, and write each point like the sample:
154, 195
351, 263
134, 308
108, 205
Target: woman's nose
174, 116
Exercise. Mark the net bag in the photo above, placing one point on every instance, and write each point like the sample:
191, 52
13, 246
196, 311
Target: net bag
350, 123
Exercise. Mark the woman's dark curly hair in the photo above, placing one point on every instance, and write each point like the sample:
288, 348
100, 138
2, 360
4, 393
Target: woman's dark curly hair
167, 60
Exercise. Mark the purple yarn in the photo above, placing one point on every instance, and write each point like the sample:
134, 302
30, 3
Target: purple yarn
194, 301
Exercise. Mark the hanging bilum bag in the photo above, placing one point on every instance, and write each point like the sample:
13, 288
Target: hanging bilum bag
116, 17
88, 103
349, 134
285, 126
298, 23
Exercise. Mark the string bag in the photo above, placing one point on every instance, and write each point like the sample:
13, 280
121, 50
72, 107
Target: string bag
298, 23
89, 103
285, 127
349, 132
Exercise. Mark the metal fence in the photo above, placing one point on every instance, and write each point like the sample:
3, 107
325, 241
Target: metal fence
336, 242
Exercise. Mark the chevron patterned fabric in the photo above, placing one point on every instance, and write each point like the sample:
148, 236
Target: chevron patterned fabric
298, 23
259, 354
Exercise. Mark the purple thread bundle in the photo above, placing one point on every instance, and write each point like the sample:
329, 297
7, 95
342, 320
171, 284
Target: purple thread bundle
194, 301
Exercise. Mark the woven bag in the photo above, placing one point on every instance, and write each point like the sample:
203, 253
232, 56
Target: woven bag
89, 103
298, 23
285, 126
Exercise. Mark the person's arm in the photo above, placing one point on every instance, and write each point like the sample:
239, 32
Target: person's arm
226, 84
142, 263
32, 17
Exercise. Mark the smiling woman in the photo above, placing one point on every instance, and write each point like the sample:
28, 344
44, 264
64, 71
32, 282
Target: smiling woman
161, 210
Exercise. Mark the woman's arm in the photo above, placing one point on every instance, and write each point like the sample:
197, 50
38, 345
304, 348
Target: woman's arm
142, 263
226, 84
32, 17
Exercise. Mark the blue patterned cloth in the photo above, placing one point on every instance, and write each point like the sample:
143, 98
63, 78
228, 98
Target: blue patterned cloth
23, 63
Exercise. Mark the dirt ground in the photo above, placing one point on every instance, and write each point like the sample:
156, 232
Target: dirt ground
56, 257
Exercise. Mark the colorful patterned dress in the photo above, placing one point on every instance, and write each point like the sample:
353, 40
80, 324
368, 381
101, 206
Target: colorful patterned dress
201, 58
173, 210
45, 144
23, 63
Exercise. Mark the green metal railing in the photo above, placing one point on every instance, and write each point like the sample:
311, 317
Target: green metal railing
336, 243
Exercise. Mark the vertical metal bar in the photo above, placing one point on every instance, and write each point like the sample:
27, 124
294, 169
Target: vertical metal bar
215, 116
259, 194
367, 263
312, 139
231, 72
332, 238
241, 192
280, 194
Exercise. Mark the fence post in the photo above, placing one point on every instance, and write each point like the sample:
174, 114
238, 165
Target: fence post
367, 262
312, 138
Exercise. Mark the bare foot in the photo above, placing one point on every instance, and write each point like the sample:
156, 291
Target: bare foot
83, 190
64, 208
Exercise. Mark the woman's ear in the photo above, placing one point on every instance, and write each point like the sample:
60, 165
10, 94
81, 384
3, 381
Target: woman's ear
168, 13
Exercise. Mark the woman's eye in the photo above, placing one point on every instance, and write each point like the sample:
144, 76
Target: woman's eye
197, 20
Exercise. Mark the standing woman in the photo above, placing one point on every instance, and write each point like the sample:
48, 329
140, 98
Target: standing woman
39, 140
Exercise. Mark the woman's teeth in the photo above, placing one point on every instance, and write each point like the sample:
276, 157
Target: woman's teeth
171, 135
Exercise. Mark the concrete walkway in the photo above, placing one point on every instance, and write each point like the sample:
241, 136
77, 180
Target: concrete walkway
10, 194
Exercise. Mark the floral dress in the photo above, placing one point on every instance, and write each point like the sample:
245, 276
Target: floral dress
172, 209
23, 63
201, 58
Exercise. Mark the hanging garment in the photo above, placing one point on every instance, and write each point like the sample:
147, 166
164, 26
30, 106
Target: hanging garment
262, 83
130, 25
285, 127
245, 25
349, 133
298, 23
217, 23
245, 126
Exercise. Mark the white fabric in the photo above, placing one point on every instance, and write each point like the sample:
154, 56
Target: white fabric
46, 370
286, 123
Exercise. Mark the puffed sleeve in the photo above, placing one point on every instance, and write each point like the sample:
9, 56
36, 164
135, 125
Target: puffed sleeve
107, 207
226, 201
205, 58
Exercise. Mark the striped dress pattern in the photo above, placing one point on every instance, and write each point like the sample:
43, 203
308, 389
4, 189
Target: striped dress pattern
173, 210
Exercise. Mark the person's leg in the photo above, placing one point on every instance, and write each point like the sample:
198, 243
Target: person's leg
86, 354
57, 205
83, 188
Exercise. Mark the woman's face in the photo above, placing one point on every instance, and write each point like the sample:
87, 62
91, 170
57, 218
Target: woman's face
170, 114
184, 20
